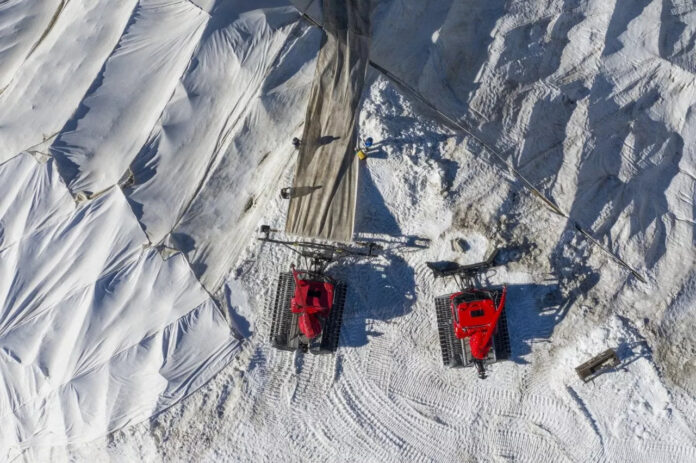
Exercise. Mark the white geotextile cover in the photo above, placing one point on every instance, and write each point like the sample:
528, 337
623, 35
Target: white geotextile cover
21, 26
96, 329
47, 87
216, 153
200, 100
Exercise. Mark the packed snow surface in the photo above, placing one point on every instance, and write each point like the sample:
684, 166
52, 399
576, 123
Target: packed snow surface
142, 142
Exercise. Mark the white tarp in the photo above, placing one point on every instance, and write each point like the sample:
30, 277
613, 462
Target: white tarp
237, 191
49, 85
115, 117
223, 140
96, 329
22, 25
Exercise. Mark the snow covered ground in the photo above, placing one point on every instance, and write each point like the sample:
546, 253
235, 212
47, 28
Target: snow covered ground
131, 131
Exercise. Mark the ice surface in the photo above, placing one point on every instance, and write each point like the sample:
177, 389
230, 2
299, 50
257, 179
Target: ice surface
47, 88
22, 27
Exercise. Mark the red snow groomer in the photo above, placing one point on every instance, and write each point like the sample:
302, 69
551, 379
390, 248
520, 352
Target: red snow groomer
307, 305
472, 325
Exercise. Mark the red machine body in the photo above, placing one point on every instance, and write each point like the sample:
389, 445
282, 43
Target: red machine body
312, 299
475, 316
306, 307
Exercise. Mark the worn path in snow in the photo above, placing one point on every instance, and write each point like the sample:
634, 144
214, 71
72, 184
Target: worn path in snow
327, 174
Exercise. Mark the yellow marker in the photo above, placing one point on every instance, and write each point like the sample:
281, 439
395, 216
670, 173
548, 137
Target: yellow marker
361, 155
